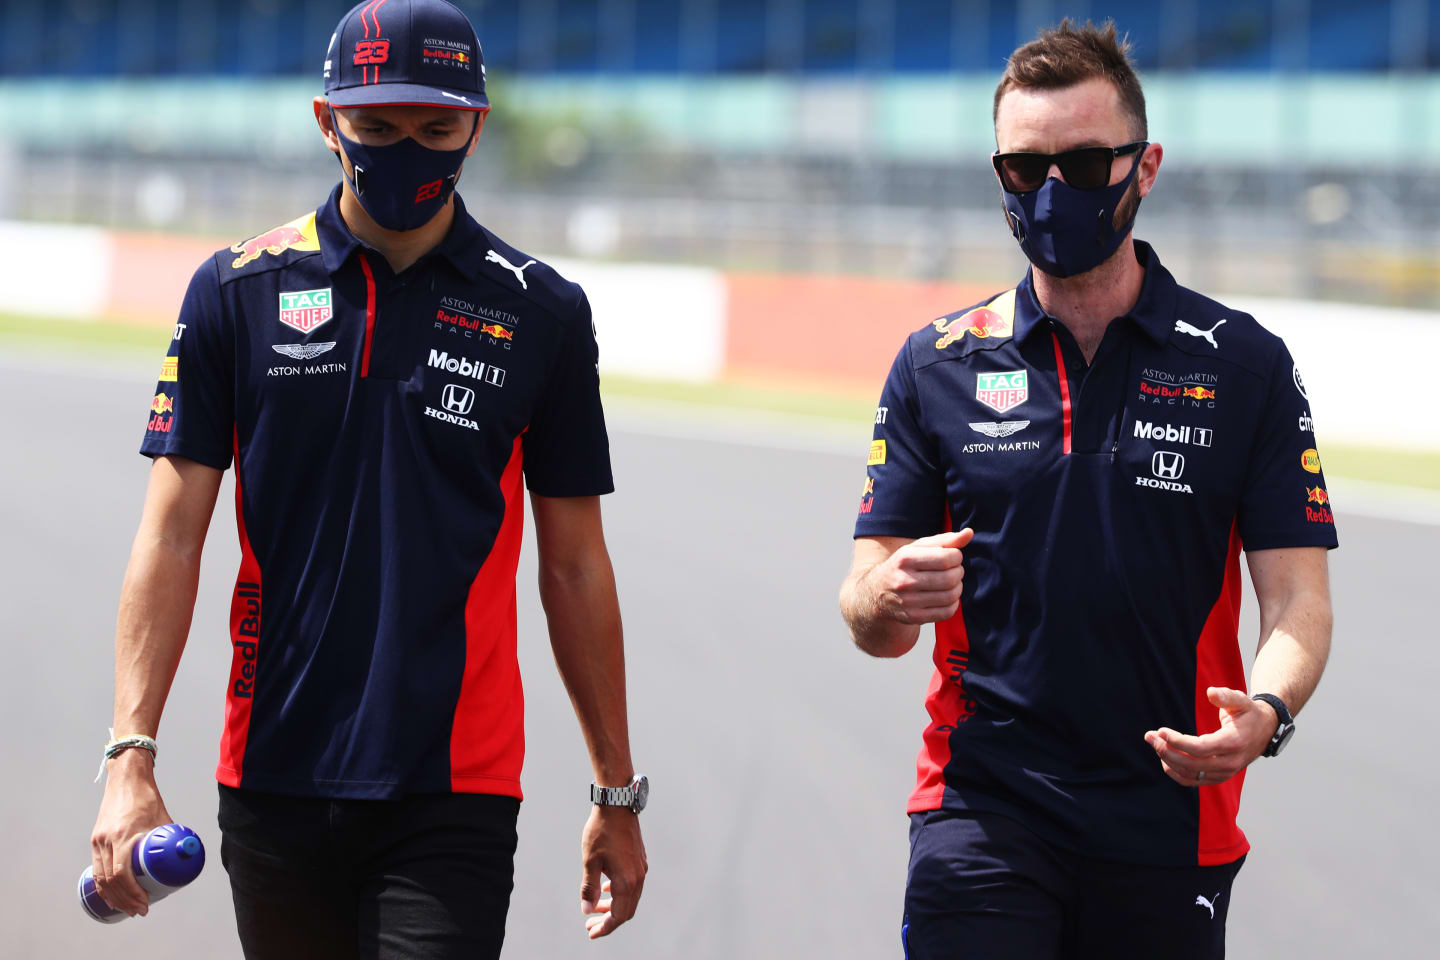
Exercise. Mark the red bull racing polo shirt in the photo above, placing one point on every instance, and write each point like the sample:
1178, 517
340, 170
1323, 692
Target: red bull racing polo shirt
380, 426
1110, 503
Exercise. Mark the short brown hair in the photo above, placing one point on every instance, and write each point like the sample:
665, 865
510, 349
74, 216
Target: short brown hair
1069, 54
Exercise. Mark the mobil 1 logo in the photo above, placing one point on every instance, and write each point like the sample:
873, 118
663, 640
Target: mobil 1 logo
1169, 433
465, 367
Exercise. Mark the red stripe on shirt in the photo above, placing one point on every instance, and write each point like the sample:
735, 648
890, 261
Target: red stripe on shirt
1064, 391
487, 738
369, 315
245, 611
948, 706
1218, 664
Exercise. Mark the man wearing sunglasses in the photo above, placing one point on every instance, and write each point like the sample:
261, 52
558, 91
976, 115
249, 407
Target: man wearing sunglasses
1101, 443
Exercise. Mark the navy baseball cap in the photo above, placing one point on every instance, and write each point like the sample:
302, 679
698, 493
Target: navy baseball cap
405, 53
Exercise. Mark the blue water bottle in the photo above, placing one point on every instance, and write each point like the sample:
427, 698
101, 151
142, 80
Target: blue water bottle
164, 860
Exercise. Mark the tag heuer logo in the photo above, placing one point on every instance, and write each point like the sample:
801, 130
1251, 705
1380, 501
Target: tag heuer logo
1002, 391
304, 310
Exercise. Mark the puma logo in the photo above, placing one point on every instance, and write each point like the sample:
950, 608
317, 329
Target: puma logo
454, 96
1201, 901
519, 271
1182, 327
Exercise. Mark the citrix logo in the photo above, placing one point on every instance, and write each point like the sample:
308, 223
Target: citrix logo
1306, 423
459, 365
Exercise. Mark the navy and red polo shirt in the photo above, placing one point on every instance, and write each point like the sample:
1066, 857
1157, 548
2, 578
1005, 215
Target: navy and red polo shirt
1110, 503
380, 424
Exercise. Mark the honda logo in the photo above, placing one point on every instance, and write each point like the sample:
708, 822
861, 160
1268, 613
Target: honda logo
1167, 465
458, 399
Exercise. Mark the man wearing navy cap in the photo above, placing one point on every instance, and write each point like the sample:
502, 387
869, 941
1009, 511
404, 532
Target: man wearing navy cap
386, 376
1062, 480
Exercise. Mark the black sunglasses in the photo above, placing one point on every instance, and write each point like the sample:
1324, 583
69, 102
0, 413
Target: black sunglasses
1085, 168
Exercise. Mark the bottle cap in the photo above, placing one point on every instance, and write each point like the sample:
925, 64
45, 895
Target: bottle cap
172, 854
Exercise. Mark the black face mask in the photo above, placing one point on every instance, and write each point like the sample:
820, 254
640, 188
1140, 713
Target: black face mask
402, 185
1065, 231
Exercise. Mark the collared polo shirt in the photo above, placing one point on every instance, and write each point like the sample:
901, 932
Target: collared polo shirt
380, 425
1110, 503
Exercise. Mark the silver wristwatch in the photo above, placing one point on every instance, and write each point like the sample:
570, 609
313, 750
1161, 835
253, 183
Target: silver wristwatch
634, 796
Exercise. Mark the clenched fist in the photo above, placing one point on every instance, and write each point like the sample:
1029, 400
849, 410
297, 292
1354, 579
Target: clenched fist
896, 585
921, 582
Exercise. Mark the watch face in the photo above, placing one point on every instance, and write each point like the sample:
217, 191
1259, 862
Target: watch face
1282, 740
642, 793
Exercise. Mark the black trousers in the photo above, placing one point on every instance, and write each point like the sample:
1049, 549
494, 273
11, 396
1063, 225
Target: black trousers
424, 877
982, 886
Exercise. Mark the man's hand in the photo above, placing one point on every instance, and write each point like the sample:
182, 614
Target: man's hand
921, 582
130, 808
1246, 727
611, 845
896, 585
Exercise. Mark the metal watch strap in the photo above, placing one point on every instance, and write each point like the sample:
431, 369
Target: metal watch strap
612, 796
1283, 729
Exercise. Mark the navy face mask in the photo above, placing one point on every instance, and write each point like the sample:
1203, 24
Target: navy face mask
402, 185
1065, 231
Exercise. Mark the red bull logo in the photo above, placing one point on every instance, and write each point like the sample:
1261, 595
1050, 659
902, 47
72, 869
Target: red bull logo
1155, 391
497, 331
996, 319
297, 234
869, 487
161, 407
1320, 513
457, 319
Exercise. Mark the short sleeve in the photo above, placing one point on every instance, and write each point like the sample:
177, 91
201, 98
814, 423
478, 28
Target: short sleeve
192, 412
904, 492
1286, 502
567, 452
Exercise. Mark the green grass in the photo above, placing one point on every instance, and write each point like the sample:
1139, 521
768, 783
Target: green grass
1410, 468
1405, 467
84, 335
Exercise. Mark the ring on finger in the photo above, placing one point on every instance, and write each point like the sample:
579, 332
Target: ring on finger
1200, 775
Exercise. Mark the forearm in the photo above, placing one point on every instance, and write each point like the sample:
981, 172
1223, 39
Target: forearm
156, 604
872, 629
585, 634
1293, 651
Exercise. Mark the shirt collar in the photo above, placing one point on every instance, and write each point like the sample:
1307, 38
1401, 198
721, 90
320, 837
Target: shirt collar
1154, 311
464, 244
336, 240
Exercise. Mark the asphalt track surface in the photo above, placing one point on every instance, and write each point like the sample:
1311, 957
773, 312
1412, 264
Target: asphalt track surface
780, 756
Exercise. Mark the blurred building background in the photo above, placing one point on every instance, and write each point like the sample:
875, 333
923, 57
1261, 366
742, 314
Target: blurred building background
828, 136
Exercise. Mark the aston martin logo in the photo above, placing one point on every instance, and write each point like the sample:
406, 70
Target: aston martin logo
1002, 429
302, 351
